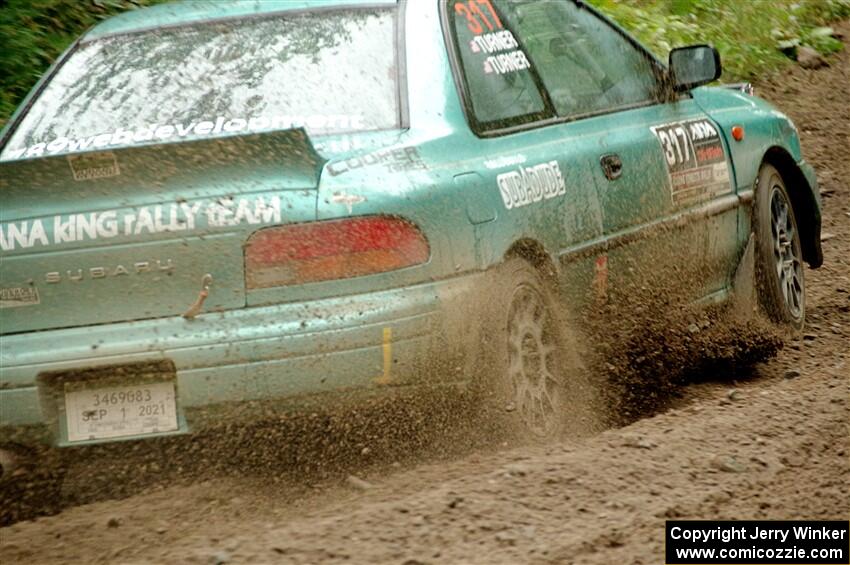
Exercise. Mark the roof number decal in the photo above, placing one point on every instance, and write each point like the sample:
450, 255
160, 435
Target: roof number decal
503, 51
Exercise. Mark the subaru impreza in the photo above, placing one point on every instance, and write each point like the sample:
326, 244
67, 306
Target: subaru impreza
208, 204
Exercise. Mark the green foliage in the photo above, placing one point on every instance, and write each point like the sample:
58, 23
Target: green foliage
753, 36
35, 32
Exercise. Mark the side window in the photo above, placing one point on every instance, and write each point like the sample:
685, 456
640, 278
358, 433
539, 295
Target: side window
586, 65
497, 71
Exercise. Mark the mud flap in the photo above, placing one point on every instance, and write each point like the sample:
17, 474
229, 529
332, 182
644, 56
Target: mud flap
744, 282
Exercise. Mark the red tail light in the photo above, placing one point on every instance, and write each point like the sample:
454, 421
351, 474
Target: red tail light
336, 249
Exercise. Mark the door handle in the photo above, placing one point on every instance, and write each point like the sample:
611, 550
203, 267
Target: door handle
612, 166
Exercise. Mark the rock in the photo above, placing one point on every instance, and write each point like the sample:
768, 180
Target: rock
808, 58
114, 522
792, 374
826, 236
638, 442
693, 328
365, 451
358, 483
733, 395
220, 558
161, 530
792, 460
516, 470
727, 464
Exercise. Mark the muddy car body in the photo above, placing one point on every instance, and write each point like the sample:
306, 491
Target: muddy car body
208, 253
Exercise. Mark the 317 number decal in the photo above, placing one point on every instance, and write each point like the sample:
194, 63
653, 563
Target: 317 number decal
476, 19
677, 145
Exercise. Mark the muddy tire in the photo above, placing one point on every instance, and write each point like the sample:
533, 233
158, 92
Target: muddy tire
534, 375
780, 278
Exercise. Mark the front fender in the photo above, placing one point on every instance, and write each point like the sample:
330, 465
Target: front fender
769, 137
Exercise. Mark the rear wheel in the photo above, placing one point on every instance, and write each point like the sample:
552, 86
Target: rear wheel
535, 373
779, 258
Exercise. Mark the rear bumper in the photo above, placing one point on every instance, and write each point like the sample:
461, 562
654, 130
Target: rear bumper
281, 351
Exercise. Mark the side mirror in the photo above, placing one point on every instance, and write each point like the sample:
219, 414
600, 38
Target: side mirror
694, 66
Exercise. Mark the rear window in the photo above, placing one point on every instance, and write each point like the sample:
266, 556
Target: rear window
329, 72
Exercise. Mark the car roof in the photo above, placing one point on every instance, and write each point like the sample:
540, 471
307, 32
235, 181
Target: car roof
190, 11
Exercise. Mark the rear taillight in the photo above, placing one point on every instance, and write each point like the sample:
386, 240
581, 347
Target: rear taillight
336, 249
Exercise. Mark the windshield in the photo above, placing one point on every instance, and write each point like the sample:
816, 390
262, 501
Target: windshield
329, 72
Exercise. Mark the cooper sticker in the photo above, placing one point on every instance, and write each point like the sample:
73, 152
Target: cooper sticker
14, 297
696, 160
395, 160
527, 185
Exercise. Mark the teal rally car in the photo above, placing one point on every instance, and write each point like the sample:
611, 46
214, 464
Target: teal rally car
207, 204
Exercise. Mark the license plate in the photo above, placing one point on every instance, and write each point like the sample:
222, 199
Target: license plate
119, 411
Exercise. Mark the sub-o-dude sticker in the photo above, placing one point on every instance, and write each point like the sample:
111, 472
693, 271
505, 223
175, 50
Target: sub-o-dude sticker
526, 185
696, 161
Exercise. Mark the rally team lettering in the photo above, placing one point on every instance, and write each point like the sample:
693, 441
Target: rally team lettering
526, 185
177, 217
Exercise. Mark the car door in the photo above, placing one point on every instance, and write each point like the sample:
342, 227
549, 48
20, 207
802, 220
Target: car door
535, 182
656, 166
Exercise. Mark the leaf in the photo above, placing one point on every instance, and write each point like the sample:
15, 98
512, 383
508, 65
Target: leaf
822, 32
788, 46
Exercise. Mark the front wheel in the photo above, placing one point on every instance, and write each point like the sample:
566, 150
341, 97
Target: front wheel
779, 263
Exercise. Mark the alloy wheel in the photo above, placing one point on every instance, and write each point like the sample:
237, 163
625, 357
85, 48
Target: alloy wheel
786, 250
531, 355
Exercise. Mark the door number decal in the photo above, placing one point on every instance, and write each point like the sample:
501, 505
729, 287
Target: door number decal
696, 160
